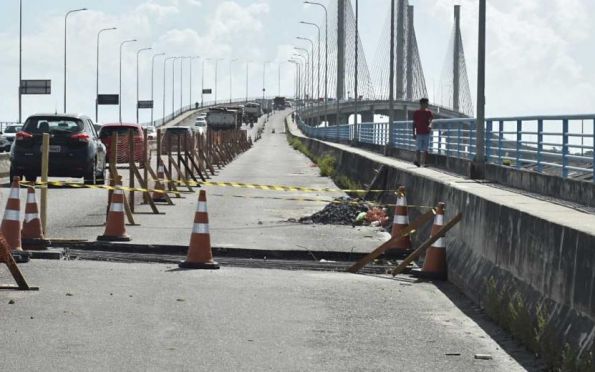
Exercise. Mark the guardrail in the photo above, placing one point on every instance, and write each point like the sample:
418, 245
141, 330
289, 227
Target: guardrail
559, 145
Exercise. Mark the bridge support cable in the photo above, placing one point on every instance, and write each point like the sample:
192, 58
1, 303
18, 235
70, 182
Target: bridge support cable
454, 82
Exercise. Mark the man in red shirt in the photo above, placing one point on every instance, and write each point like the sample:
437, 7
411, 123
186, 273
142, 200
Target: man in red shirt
422, 129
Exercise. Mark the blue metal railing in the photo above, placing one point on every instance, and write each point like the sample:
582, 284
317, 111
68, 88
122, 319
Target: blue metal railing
559, 145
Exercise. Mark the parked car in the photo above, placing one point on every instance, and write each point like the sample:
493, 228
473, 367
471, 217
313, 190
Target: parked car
75, 148
8, 137
123, 131
151, 133
200, 125
175, 135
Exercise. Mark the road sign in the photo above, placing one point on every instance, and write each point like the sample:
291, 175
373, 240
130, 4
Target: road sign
145, 104
207, 91
108, 99
36, 87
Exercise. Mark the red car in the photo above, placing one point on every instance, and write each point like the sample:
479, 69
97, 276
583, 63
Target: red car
123, 131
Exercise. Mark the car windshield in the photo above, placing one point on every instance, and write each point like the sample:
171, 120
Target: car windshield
52, 124
13, 128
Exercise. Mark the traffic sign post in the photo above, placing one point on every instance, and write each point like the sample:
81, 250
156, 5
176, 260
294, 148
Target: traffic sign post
108, 99
145, 104
36, 87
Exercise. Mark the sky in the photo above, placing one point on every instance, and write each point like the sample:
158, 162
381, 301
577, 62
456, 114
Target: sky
539, 52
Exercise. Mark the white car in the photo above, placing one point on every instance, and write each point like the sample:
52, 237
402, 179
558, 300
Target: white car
200, 125
8, 136
151, 133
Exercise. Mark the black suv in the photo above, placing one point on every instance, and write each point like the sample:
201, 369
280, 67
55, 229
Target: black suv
75, 148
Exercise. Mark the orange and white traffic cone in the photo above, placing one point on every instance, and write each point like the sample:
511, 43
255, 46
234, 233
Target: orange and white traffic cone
32, 233
400, 222
11, 223
199, 252
159, 196
434, 266
115, 228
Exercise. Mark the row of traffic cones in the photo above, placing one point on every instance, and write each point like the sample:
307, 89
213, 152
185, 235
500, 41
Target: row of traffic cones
200, 255
28, 234
434, 266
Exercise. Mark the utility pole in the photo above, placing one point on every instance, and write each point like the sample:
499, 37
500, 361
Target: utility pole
355, 119
138, 52
481, 71
20, 60
65, 34
391, 89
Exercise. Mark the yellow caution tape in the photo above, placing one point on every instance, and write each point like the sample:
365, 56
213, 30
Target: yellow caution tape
262, 187
97, 187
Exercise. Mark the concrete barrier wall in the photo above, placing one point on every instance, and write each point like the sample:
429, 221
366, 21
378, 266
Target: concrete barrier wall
534, 277
568, 189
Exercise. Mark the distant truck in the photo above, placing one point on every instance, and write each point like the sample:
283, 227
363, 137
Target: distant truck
279, 103
252, 111
222, 119
240, 112
266, 105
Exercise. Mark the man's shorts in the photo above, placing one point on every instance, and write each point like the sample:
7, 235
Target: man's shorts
422, 142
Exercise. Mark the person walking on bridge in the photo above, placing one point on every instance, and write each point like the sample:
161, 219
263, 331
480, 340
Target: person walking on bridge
422, 128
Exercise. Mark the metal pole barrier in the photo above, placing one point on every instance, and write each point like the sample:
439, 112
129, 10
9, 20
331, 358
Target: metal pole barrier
45, 160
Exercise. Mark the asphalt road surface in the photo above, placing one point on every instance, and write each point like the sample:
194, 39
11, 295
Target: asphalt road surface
92, 316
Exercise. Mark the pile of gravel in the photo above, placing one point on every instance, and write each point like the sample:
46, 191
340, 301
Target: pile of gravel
342, 212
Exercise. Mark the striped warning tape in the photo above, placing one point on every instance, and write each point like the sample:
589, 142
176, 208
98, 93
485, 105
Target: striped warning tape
263, 187
76, 185
136, 189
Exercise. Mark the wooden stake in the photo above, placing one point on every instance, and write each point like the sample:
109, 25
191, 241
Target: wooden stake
416, 225
440, 233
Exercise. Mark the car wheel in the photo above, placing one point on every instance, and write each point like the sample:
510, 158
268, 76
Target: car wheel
100, 176
89, 178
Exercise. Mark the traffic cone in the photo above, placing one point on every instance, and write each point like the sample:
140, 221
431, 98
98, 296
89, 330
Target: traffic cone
402, 246
115, 229
11, 224
434, 266
159, 196
199, 252
32, 234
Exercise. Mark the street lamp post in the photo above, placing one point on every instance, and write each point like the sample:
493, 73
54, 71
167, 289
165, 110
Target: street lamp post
307, 67
311, 65
65, 33
231, 79
120, 79
216, 71
264, 74
138, 52
164, 82
303, 79
356, 93
182, 83
318, 65
247, 78
296, 79
97, 73
173, 86
152, 83
190, 93
481, 72
326, 55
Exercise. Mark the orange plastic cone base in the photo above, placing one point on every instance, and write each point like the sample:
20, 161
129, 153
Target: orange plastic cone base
199, 251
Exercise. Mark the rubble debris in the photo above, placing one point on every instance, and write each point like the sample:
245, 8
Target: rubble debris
349, 211
343, 211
